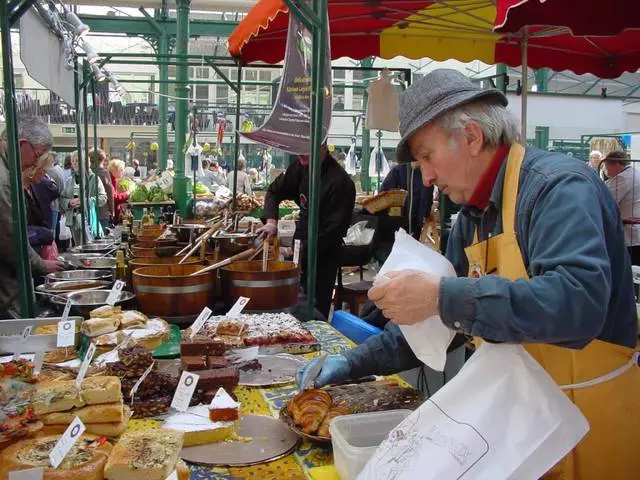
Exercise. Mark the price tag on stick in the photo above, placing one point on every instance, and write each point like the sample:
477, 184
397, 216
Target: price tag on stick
38, 360
29, 474
67, 310
66, 442
66, 333
296, 251
114, 294
200, 321
85, 364
184, 392
136, 385
20, 345
238, 307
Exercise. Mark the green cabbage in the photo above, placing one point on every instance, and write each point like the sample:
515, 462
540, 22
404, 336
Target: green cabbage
201, 189
126, 185
140, 194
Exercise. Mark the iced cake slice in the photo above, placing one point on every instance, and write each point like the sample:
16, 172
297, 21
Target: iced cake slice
223, 408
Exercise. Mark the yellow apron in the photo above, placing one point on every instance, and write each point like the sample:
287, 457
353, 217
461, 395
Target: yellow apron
600, 379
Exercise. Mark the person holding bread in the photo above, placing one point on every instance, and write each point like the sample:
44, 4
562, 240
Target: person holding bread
539, 249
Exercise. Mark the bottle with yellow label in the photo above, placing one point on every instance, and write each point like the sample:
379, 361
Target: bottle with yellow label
152, 217
121, 267
145, 217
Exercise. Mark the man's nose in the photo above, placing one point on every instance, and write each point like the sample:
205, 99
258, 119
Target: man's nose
428, 175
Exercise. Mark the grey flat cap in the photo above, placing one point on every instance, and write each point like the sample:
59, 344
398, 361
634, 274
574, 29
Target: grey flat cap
432, 95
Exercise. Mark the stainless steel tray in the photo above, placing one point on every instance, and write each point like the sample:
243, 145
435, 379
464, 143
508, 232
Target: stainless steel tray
78, 275
11, 334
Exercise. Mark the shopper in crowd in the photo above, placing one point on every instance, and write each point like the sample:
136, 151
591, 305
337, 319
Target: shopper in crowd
71, 198
624, 183
136, 168
68, 169
207, 179
219, 174
243, 185
39, 193
539, 250
116, 170
56, 174
417, 206
595, 158
254, 177
35, 142
106, 212
337, 198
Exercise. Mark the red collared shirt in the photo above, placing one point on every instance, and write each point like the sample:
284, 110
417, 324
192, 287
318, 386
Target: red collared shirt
482, 193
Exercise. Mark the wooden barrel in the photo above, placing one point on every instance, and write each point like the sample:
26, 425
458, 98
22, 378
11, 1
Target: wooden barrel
273, 290
169, 290
153, 242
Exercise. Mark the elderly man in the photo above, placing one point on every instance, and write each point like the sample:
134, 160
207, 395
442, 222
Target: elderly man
35, 141
624, 183
595, 157
539, 250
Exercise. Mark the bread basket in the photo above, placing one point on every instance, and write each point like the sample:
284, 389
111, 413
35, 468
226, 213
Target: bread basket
384, 200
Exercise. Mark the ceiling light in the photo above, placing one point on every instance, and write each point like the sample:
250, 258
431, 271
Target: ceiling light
92, 55
98, 74
81, 28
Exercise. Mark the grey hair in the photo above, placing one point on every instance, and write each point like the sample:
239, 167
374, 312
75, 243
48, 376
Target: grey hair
33, 129
242, 164
499, 125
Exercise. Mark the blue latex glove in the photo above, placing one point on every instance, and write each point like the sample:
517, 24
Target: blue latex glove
335, 369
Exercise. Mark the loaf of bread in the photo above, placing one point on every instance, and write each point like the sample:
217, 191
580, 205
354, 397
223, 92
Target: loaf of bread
105, 311
101, 389
309, 408
106, 413
133, 319
111, 429
85, 460
95, 327
56, 396
323, 430
145, 455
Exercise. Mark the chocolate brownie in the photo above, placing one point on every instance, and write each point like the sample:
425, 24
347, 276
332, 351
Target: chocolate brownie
217, 361
202, 346
194, 363
219, 377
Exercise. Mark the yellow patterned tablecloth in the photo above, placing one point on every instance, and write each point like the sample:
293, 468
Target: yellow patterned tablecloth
269, 401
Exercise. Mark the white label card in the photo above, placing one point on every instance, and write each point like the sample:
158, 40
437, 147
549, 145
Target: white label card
66, 442
85, 364
29, 474
184, 392
296, 251
114, 294
38, 360
173, 476
200, 321
66, 333
238, 307
136, 385
265, 255
20, 345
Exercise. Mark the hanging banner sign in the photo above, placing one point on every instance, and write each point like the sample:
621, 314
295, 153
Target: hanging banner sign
288, 127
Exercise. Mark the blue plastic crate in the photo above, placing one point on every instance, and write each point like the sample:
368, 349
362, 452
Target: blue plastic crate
352, 327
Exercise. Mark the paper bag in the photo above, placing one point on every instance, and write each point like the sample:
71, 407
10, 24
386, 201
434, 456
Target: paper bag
430, 338
501, 417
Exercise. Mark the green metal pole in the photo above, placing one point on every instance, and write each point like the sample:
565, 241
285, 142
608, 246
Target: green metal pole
501, 72
81, 156
319, 39
236, 147
163, 103
21, 246
95, 154
180, 181
76, 93
379, 135
542, 84
365, 181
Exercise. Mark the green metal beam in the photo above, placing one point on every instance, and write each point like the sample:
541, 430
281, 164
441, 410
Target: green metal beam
137, 26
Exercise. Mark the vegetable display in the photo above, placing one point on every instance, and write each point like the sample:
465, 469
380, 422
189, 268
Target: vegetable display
140, 194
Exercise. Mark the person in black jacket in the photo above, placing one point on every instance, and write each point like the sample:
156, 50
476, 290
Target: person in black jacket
337, 198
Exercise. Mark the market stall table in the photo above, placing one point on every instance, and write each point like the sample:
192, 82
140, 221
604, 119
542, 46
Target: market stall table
269, 401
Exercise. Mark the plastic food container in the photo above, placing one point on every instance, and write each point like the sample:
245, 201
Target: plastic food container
356, 437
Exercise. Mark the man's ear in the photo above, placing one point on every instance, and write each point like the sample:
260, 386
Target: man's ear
474, 137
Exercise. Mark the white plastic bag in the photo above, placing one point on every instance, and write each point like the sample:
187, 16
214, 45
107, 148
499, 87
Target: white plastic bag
378, 162
430, 338
65, 231
352, 160
501, 417
359, 235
